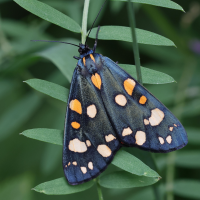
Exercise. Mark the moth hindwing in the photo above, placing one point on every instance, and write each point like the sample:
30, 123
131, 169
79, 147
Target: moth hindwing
107, 108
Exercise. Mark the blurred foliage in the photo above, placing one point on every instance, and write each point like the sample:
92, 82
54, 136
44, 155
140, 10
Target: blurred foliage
25, 162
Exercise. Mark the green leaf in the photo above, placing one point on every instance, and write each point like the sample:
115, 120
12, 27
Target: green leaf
124, 34
165, 3
193, 135
149, 76
51, 89
18, 114
126, 161
62, 56
49, 14
125, 180
60, 186
187, 188
46, 135
188, 159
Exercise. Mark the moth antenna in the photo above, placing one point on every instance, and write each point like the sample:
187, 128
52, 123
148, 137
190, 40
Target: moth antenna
54, 41
95, 20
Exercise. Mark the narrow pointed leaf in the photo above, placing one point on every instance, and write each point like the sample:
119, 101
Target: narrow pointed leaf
51, 89
161, 3
187, 188
124, 34
149, 76
49, 14
60, 186
123, 179
53, 136
126, 161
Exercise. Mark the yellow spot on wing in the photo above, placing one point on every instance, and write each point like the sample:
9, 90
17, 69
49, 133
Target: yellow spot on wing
75, 125
175, 125
161, 140
127, 131
171, 128
110, 138
84, 62
75, 105
129, 85
96, 80
84, 170
120, 100
92, 57
156, 117
140, 137
90, 165
104, 150
77, 146
69, 164
143, 100
91, 111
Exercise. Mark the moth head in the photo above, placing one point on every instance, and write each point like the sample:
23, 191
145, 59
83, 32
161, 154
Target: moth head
83, 49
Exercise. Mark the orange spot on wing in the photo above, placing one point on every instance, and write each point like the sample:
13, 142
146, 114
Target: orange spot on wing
84, 61
75, 125
92, 57
96, 80
143, 100
75, 105
129, 86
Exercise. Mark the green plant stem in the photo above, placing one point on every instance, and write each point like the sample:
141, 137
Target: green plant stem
139, 75
180, 97
135, 44
84, 21
100, 194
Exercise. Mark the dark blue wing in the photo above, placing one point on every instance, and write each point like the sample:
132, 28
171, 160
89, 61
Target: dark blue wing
138, 118
89, 138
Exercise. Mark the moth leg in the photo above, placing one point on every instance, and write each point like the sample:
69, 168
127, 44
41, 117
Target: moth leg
77, 58
95, 44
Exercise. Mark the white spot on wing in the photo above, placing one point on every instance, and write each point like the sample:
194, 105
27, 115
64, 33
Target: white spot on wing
127, 131
146, 122
140, 137
104, 150
74, 163
156, 117
110, 138
69, 164
77, 146
90, 165
171, 128
120, 100
84, 170
169, 139
91, 111
88, 143
161, 140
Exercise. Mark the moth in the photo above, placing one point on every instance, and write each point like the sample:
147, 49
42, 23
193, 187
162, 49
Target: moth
108, 109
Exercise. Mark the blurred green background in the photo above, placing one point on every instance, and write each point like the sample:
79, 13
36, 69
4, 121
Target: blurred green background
25, 163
